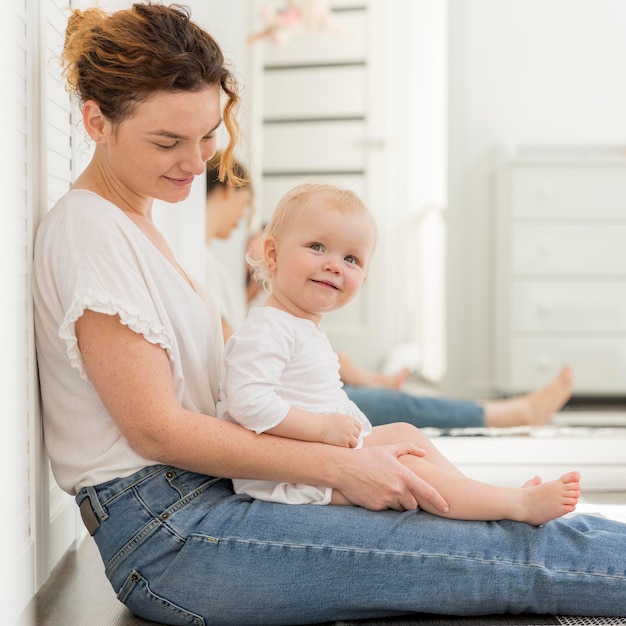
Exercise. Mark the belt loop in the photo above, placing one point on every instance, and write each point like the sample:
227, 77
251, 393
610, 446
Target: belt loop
91, 511
92, 494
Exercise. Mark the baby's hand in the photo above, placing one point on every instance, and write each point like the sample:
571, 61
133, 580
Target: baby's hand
340, 430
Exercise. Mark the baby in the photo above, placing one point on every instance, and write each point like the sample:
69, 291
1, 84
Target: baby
282, 376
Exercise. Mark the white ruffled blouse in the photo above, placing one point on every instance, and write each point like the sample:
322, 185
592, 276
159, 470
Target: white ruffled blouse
90, 255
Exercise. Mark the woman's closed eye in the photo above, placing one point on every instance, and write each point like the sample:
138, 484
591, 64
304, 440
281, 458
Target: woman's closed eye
170, 146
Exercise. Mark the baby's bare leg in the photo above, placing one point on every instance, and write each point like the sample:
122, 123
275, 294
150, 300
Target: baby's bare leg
468, 499
534, 503
338, 498
400, 432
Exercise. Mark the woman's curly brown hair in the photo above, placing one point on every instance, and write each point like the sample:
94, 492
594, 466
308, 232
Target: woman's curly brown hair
121, 59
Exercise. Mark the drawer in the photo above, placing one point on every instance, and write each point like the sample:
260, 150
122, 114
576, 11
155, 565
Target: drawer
569, 191
599, 363
314, 147
292, 94
569, 306
569, 249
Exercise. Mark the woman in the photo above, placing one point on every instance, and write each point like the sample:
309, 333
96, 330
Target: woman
130, 360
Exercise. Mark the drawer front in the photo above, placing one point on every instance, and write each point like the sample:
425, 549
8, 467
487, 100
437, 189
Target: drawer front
569, 249
599, 363
569, 192
310, 148
314, 93
569, 306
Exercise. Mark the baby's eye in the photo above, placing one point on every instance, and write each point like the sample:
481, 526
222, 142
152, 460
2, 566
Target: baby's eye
351, 259
316, 246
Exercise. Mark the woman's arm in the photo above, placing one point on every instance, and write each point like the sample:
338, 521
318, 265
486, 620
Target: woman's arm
134, 381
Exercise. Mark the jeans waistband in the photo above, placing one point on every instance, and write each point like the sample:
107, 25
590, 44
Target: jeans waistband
94, 501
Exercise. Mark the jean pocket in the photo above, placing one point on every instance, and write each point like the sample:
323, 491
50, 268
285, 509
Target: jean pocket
142, 601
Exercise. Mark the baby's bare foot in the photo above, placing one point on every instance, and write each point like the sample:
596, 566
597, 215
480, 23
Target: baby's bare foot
546, 501
533, 482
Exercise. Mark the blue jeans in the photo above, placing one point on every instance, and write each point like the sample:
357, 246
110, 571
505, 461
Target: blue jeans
383, 406
181, 548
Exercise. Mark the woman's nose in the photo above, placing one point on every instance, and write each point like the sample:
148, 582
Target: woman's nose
195, 161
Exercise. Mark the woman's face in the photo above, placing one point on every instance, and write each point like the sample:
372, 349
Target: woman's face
164, 145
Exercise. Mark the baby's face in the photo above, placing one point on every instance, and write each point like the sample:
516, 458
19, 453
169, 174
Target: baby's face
322, 260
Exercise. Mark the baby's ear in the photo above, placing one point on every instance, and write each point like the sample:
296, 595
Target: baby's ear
270, 253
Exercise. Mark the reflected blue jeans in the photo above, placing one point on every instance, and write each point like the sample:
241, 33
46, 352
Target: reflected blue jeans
181, 548
383, 406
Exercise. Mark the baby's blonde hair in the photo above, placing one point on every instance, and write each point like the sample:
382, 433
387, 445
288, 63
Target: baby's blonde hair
325, 197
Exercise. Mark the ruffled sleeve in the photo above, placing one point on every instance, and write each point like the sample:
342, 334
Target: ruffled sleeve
130, 316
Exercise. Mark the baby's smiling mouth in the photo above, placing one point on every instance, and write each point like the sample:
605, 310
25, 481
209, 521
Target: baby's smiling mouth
326, 283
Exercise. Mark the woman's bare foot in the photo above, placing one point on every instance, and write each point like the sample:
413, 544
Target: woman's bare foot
534, 408
545, 501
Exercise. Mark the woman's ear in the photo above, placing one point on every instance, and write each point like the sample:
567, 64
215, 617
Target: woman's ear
270, 253
94, 121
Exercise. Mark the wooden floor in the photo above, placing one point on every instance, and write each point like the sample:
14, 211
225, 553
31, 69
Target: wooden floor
78, 593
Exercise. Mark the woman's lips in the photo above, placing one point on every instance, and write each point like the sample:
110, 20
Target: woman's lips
180, 182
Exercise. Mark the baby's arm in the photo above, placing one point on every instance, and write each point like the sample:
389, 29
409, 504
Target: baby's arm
337, 429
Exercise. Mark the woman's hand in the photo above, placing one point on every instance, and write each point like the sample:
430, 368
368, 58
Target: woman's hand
375, 479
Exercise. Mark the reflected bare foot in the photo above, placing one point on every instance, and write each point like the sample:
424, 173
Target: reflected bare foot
534, 408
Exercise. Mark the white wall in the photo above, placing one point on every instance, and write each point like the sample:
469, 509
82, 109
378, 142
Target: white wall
521, 72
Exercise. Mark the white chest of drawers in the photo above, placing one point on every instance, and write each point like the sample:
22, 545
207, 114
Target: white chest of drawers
560, 272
